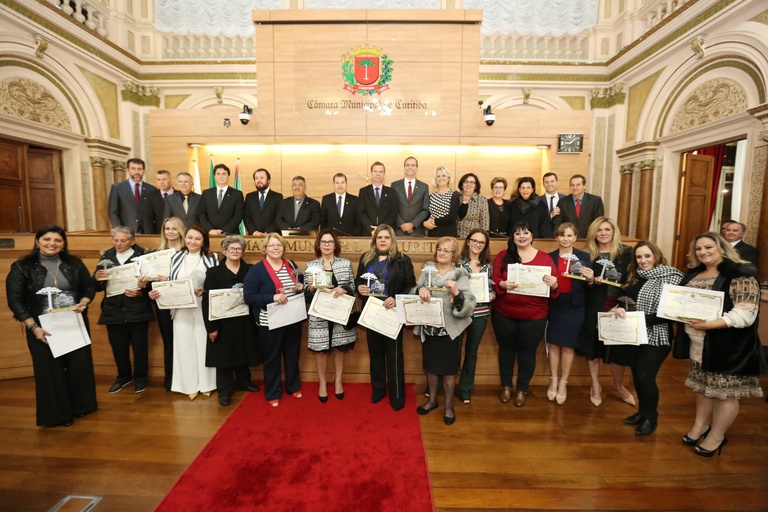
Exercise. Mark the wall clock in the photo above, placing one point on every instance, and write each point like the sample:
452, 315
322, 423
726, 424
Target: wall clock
570, 142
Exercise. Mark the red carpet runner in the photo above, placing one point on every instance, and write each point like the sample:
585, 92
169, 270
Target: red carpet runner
305, 455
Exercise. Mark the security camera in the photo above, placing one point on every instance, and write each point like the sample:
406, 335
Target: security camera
245, 115
489, 116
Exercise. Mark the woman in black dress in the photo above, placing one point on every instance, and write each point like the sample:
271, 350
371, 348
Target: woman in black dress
64, 386
233, 342
443, 206
525, 206
610, 260
498, 209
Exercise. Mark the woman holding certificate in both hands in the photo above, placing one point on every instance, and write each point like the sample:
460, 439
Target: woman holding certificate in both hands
647, 274
726, 360
519, 317
233, 345
273, 280
444, 279
394, 275
325, 337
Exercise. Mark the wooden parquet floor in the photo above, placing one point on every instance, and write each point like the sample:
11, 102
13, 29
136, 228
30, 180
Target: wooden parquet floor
495, 457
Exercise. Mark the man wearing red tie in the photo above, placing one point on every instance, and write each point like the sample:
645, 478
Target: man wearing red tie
129, 202
579, 207
412, 201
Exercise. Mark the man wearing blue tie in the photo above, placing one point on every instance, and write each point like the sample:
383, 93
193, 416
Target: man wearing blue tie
338, 210
261, 206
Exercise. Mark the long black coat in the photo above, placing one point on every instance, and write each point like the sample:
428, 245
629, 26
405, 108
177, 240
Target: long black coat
237, 339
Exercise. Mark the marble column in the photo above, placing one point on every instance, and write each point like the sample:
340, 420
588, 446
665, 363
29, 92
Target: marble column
625, 198
98, 171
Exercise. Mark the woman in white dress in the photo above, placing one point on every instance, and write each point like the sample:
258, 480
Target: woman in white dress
190, 375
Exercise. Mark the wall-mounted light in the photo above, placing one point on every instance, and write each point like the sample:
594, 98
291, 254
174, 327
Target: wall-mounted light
542, 146
227, 122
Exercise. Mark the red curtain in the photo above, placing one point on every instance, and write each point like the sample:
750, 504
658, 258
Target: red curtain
718, 152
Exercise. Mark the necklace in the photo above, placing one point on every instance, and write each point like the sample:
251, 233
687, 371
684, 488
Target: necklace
54, 276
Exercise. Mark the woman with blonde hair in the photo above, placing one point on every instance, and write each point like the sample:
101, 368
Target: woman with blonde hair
443, 206
610, 260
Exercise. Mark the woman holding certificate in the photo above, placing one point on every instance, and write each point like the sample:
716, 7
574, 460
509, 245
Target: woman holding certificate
610, 259
272, 281
476, 260
566, 312
520, 309
444, 279
190, 339
126, 311
443, 206
393, 274
647, 274
233, 346
334, 274
64, 386
726, 360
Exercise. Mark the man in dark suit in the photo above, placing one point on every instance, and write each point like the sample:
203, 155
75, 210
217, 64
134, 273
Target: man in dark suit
551, 197
412, 201
733, 231
185, 204
298, 212
339, 209
377, 204
223, 206
579, 207
164, 189
129, 201
261, 205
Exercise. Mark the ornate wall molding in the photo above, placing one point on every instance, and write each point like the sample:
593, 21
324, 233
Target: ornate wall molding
143, 95
608, 96
27, 99
710, 101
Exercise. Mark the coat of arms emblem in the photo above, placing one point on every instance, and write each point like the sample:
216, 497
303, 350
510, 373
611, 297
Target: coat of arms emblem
367, 70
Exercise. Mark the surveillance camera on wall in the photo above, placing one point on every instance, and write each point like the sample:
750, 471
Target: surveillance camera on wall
245, 115
489, 116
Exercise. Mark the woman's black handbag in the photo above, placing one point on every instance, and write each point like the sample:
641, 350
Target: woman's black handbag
354, 317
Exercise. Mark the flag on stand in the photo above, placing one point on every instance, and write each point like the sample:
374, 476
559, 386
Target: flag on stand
239, 186
196, 183
211, 177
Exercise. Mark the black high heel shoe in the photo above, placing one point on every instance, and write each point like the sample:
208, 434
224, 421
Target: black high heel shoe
340, 396
689, 441
323, 399
709, 453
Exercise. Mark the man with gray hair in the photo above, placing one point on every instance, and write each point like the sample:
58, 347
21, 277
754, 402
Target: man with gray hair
733, 231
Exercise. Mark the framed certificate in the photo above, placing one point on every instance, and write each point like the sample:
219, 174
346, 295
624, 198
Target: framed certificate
478, 285
226, 303
685, 304
418, 312
155, 264
334, 309
380, 319
280, 315
631, 330
529, 279
121, 278
175, 294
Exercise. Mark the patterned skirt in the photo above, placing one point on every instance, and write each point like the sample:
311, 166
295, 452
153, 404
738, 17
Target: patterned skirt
720, 386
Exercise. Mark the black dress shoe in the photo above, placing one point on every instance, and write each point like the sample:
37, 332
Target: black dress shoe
448, 420
118, 385
646, 427
250, 386
225, 400
635, 419
422, 409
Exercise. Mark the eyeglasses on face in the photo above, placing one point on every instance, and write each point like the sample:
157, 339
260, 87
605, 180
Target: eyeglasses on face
477, 242
235, 249
447, 251
327, 242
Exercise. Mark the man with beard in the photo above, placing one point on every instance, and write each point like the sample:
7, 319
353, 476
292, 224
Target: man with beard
129, 201
261, 205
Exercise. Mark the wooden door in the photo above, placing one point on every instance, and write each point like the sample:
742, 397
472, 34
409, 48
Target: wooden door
695, 197
13, 199
44, 186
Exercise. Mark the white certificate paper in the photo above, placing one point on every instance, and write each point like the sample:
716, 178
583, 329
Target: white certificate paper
175, 294
478, 285
631, 330
68, 332
156, 263
334, 309
418, 312
380, 319
529, 279
684, 304
280, 315
226, 303
120, 279
399, 298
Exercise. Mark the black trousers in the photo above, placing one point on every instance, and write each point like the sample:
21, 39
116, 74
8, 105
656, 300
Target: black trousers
518, 340
165, 325
124, 336
387, 368
225, 384
645, 362
282, 343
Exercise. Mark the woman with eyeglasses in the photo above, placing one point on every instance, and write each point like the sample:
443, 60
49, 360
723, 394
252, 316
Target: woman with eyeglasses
232, 342
394, 275
473, 210
519, 319
276, 279
498, 209
441, 346
443, 206
324, 337
525, 206
476, 259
